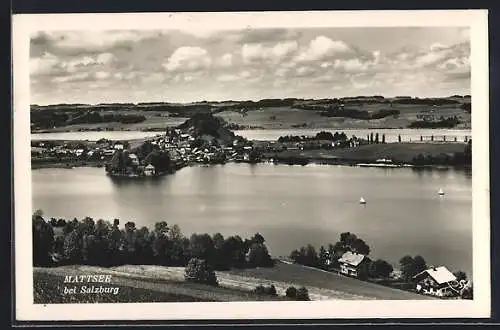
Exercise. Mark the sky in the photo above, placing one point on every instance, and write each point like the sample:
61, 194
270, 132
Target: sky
247, 64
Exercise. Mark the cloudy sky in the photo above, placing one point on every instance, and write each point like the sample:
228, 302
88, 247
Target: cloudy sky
184, 66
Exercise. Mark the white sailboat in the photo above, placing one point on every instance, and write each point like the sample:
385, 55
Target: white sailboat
441, 192
362, 201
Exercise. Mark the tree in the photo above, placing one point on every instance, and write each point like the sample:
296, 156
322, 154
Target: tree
350, 242
399, 138
43, 239
201, 246
419, 264
311, 257
90, 255
142, 245
323, 257
371, 138
73, 247
200, 271
376, 138
160, 160
460, 275
129, 236
411, 266
258, 256
235, 251
302, 294
263, 290
406, 267
467, 292
117, 163
291, 292
258, 238
175, 233
380, 268
359, 246
326, 136
383, 138
115, 243
218, 241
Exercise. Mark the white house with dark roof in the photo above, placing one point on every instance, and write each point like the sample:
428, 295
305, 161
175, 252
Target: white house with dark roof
350, 263
149, 170
118, 146
437, 281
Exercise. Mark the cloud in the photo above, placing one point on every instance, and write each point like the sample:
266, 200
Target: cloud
85, 62
322, 47
250, 36
81, 76
248, 63
304, 71
188, 59
258, 52
154, 78
43, 65
78, 42
436, 56
233, 77
101, 75
225, 60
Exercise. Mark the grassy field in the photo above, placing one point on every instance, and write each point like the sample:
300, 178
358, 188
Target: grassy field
149, 283
287, 117
284, 118
315, 279
48, 289
154, 120
403, 152
133, 287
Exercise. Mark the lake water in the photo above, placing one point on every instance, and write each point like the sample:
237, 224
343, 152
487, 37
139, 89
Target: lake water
289, 205
391, 135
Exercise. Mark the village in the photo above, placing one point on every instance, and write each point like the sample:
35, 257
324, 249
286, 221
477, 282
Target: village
182, 147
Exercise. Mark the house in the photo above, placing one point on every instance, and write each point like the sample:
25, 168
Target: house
436, 281
118, 146
109, 152
149, 170
351, 263
134, 159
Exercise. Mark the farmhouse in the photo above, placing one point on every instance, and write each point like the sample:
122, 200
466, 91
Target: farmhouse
351, 263
149, 170
118, 146
436, 281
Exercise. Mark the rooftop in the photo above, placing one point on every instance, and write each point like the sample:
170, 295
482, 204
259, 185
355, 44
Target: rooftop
440, 274
351, 258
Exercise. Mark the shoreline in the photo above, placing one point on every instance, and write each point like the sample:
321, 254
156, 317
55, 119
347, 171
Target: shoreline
325, 162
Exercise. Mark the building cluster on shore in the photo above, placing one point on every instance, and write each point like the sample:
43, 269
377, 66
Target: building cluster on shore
74, 150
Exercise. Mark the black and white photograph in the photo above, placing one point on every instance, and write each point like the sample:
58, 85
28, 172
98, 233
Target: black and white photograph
251, 165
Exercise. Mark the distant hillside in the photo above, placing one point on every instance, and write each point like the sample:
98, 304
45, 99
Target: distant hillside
349, 112
207, 124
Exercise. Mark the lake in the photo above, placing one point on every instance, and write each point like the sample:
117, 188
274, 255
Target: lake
391, 135
289, 205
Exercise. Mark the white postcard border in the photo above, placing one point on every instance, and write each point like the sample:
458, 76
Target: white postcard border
24, 25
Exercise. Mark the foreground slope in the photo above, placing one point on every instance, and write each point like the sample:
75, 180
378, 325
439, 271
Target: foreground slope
234, 285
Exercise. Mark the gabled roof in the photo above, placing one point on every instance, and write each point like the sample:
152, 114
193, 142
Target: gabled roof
440, 274
353, 259
149, 166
